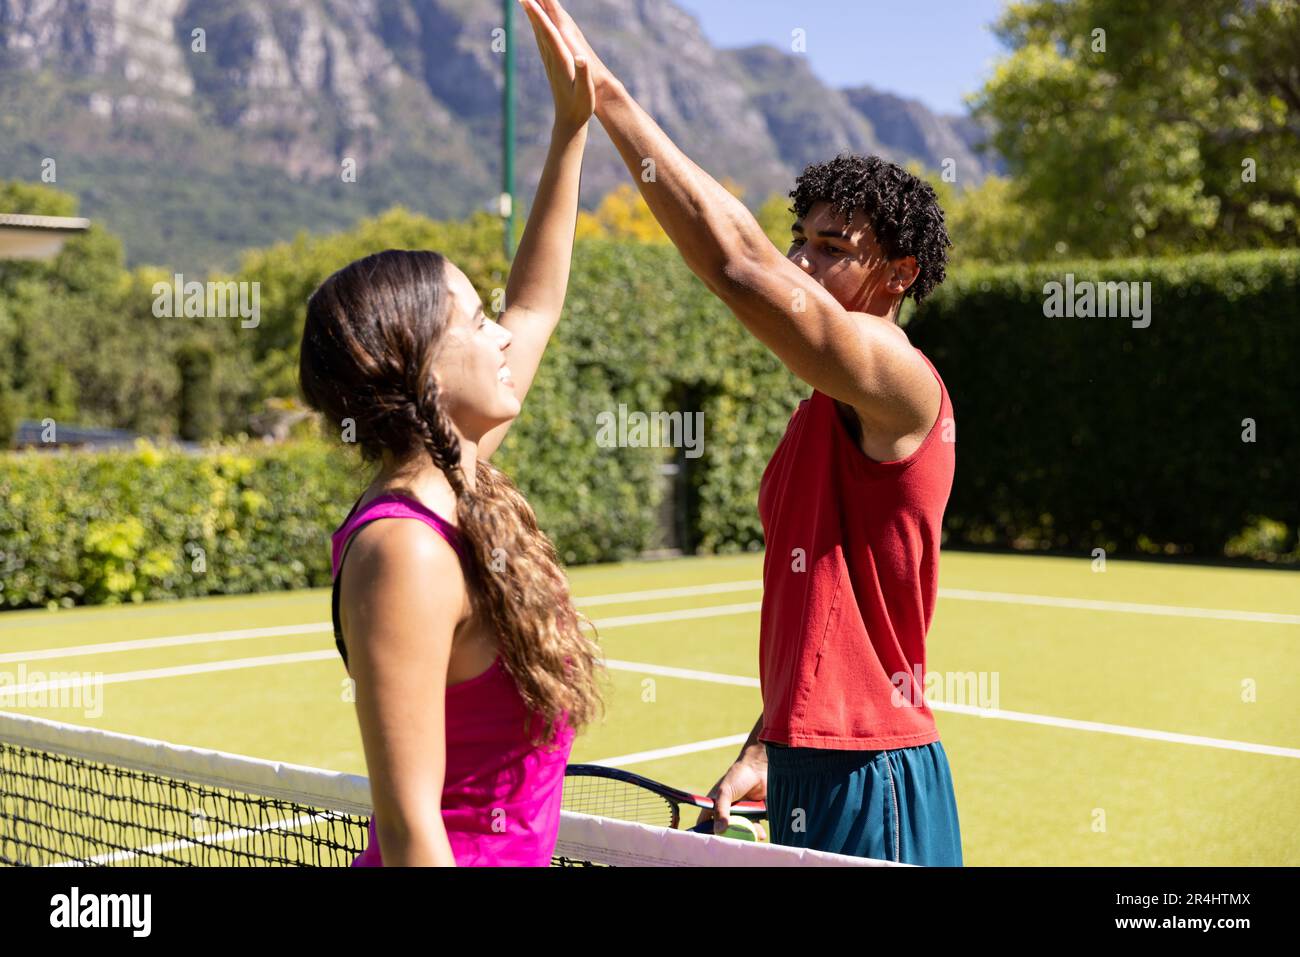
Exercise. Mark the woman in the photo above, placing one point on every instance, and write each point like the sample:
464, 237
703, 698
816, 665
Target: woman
472, 674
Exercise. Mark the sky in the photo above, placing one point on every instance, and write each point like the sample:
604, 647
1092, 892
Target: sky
934, 51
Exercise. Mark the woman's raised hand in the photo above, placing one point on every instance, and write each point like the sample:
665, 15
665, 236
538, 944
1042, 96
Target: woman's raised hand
570, 76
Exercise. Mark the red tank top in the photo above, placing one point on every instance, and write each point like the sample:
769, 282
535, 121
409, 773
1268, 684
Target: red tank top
850, 577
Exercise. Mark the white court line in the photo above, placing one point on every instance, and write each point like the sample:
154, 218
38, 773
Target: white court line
952, 594
137, 644
653, 594
966, 594
1103, 728
640, 757
687, 673
177, 671
325, 626
684, 673
181, 844
713, 744
1125, 607
972, 711
684, 614
121, 677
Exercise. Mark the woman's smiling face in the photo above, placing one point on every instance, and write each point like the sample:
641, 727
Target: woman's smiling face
474, 384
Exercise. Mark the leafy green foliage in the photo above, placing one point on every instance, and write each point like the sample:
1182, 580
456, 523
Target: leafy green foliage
1074, 433
1082, 433
149, 524
1179, 136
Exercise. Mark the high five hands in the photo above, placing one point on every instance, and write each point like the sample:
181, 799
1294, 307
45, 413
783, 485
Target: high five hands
561, 41
568, 68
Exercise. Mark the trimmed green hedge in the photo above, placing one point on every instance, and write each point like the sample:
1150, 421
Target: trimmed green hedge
1089, 433
1072, 434
639, 330
87, 528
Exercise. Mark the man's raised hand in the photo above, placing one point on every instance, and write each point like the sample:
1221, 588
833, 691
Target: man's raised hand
602, 77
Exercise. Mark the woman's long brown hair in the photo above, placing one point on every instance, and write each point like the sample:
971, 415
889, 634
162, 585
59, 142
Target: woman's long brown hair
372, 333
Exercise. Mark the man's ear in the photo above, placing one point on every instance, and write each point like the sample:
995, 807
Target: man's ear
902, 273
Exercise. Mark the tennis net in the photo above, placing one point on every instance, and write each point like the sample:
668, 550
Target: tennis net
74, 796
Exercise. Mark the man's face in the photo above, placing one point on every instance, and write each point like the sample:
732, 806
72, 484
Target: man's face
847, 262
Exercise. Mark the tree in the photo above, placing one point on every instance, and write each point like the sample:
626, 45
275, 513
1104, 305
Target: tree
990, 222
1150, 126
75, 328
622, 214
34, 199
776, 217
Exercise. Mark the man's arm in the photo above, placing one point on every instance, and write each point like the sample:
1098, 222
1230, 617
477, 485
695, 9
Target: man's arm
745, 780
752, 741
859, 360
864, 362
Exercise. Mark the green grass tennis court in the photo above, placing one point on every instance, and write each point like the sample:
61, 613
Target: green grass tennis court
1145, 715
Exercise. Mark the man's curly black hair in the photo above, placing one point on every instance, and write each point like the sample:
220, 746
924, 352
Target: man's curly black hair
903, 210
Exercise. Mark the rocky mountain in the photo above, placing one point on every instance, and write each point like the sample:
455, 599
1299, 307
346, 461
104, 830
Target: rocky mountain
195, 128
907, 129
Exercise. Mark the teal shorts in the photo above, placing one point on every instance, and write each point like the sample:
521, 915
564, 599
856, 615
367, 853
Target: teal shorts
889, 805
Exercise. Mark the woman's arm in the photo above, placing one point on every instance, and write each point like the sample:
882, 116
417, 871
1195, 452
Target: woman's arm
540, 274
399, 631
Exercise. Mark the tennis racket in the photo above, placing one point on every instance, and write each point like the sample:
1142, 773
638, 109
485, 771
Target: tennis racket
615, 793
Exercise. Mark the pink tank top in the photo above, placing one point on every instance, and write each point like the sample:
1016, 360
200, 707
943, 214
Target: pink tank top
501, 794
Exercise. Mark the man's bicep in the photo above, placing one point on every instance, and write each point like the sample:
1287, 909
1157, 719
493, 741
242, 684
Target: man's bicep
851, 357
797, 319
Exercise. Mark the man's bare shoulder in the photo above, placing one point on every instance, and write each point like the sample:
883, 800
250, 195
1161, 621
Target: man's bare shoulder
897, 424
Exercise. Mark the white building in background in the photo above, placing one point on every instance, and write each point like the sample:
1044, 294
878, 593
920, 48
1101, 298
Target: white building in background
23, 236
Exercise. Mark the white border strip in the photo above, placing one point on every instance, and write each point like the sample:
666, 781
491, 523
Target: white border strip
625, 843
582, 836
331, 790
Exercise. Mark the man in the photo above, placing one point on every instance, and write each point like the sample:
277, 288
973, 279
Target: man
846, 752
